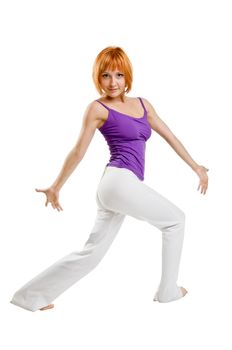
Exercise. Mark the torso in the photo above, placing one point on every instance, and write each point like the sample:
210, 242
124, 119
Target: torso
131, 106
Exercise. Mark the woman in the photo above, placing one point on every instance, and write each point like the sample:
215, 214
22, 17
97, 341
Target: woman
126, 124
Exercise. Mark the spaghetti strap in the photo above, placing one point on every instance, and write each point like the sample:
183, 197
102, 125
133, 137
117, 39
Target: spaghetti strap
110, 109
142, 104
103, 104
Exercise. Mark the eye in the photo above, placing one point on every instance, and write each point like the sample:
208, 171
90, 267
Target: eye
106, 75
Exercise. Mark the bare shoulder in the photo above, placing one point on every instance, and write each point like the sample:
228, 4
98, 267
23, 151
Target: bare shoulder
148, 105
151, 112
95, 114
98, 109
94, 107
156, 123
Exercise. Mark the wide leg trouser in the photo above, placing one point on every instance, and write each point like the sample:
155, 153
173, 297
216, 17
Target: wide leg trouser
119, 193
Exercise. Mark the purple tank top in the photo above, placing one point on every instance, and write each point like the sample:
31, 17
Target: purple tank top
126, 137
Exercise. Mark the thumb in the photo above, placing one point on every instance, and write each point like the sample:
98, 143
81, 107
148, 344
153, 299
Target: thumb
37, 190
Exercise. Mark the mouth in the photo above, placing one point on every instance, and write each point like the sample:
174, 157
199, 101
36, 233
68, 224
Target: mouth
113, 89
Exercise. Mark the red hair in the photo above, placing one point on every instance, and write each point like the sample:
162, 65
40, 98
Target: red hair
112, 57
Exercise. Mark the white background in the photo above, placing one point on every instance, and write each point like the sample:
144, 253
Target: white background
181, 55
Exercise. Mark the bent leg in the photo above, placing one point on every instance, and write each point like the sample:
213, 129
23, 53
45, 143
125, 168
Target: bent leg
121, 191
48, 285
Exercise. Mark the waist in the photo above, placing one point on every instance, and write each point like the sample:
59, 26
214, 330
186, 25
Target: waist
134, 173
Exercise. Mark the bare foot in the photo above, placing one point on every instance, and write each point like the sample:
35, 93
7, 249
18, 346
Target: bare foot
50, 306
184, 291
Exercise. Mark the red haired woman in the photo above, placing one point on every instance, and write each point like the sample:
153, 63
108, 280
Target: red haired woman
126, 123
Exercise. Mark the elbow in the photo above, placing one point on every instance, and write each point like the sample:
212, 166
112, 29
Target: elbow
170, 138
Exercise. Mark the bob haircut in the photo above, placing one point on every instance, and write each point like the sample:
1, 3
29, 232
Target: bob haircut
112, 58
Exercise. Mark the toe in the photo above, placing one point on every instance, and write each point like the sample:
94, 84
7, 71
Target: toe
184, 291
50, 306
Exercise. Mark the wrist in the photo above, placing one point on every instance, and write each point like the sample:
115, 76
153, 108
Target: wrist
195, 167
55, 188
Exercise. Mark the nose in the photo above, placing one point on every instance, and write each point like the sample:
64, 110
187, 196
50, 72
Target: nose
113, 82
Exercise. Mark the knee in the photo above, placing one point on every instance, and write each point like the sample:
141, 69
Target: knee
182, 217
179, 217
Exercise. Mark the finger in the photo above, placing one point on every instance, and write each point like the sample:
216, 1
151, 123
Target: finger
59, 206
203, 189
39, 190
56, 206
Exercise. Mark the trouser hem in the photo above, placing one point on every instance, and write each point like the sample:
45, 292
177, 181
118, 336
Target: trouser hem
21, 305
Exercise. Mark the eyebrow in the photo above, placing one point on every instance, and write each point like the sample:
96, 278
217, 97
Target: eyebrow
116, 72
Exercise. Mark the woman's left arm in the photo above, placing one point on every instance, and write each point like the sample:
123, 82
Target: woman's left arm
158, 125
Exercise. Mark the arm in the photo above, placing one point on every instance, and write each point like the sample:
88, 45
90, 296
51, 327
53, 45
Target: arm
158, 125
89, 125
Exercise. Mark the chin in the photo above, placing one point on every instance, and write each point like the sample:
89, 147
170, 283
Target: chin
116, 94
120, 94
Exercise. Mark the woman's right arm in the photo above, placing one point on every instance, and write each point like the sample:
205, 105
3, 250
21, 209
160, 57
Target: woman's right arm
91, 121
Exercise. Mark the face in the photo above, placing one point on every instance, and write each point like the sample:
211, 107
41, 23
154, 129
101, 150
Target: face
113, 83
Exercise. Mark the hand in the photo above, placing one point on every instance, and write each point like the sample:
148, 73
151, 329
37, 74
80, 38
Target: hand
201, 172
52, 197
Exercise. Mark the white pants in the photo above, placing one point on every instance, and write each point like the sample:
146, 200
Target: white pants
120, 192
